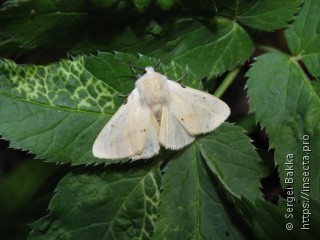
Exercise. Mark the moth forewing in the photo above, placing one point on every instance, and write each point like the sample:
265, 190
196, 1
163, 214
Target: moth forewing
152, 146
125, 134
197, 111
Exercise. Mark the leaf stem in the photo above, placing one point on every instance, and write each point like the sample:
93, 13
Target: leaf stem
226, 82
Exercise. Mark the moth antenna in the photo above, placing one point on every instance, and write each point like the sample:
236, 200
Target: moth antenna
180, 79
167, 56
135, 72
133, 69
158, 64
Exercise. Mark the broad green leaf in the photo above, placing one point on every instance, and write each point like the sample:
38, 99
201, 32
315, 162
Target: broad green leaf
208, 48
171, 70
57, 111
141, 5
266, 15
232, 158
29, 24
120, 203
166, 4
32, 24
269, 221
316, 86
303, 36
191, 205
211, 49
287, 105
113, 201
53, 110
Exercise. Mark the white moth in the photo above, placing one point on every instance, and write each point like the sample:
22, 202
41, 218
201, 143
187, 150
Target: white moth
158, 112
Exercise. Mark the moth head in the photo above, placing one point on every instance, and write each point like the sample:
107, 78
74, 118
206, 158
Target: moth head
151, 73
149, 70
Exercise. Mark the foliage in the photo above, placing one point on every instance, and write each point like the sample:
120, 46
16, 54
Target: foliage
209, 190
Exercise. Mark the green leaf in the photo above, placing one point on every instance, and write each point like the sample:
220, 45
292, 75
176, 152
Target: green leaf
232, 158
166, 4
208, 48
114, 200
287, 105
268, 221
53, 110
29, 24
57, 111
172, 70
192, 206
316, 86
112, 204
266, 15
303, 36
141, 5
